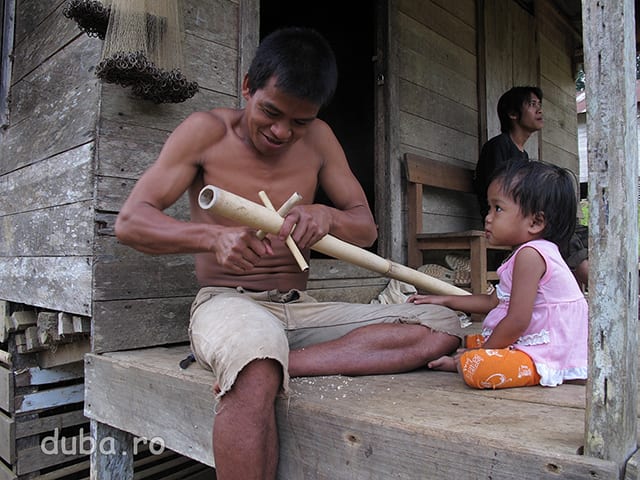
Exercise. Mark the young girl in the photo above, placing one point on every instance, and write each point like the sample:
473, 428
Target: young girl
535, 331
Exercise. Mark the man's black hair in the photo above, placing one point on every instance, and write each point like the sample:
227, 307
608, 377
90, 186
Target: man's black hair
302, 62
511, 103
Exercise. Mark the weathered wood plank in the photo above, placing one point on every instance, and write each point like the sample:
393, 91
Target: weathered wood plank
556, 95
442, 21
43, 376
126, 151
415, 35
212, 65
557, 156
249, 38
120, 104
6, 473
611, 416
215, 21
124, 273
64, 354
564, 120
56, 231
126, 324
555, 134
417, 424
427, 135
55, 108
112, 192
53, 450
465, 10
555, 28
509, 45
632, 470
61, 473
436, 108
44, 41
438, 78
25, 428
6, 389
556, 57
525, 48
563, 80
56, 283
189, 436
7, 438
388, 174
45, 399
30, 14
352, 427
61, 179
498, 49
118, 465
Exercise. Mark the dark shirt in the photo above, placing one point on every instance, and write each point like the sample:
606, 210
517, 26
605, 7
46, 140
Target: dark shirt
495, 153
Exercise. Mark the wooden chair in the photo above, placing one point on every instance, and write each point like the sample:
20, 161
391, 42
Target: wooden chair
421, 172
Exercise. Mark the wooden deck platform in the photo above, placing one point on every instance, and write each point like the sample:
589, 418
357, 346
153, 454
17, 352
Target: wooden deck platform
420, 425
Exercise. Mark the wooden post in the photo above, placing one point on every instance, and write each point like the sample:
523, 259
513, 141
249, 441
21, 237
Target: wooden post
112, 453
609, 47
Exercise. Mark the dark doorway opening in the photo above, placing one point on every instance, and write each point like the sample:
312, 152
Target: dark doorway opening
351, 34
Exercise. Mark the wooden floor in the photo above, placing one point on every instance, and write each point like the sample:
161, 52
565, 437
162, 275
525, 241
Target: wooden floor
420, 425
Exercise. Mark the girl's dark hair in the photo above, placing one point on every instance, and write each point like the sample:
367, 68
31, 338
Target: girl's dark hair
542, 188
302, 62
511, 103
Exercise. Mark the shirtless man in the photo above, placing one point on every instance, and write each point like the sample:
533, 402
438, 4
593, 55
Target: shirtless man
252, 324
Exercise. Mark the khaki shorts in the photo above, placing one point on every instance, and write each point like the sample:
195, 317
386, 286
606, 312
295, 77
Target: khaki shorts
231, 327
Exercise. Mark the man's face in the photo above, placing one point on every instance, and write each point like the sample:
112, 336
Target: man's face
531, 114
275, 119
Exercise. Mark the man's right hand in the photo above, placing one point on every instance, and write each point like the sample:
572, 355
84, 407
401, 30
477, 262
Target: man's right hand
239, 249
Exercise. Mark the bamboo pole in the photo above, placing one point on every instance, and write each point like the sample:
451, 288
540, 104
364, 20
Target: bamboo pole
254, 215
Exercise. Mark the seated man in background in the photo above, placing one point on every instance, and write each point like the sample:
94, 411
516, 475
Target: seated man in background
520, 114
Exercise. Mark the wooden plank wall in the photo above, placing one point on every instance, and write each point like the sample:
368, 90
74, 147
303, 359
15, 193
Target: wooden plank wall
438, 98
559, 137
511, 58
438, 87
134, 293
45, 162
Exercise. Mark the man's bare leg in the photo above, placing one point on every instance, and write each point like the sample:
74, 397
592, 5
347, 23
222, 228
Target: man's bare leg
373, 349
245, 437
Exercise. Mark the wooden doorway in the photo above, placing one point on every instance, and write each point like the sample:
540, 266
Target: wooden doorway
352, 35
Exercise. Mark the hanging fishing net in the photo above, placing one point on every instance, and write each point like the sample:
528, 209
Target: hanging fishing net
143, 49
91, 16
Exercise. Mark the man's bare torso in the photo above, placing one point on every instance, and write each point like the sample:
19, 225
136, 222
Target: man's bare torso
235, 166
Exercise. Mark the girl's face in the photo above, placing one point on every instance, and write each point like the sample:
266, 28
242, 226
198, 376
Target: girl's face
505, 224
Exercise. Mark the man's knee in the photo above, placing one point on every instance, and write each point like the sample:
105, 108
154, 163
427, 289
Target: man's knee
437, 344
260, 378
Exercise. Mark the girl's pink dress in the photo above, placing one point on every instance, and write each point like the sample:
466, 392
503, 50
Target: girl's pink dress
556, 338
